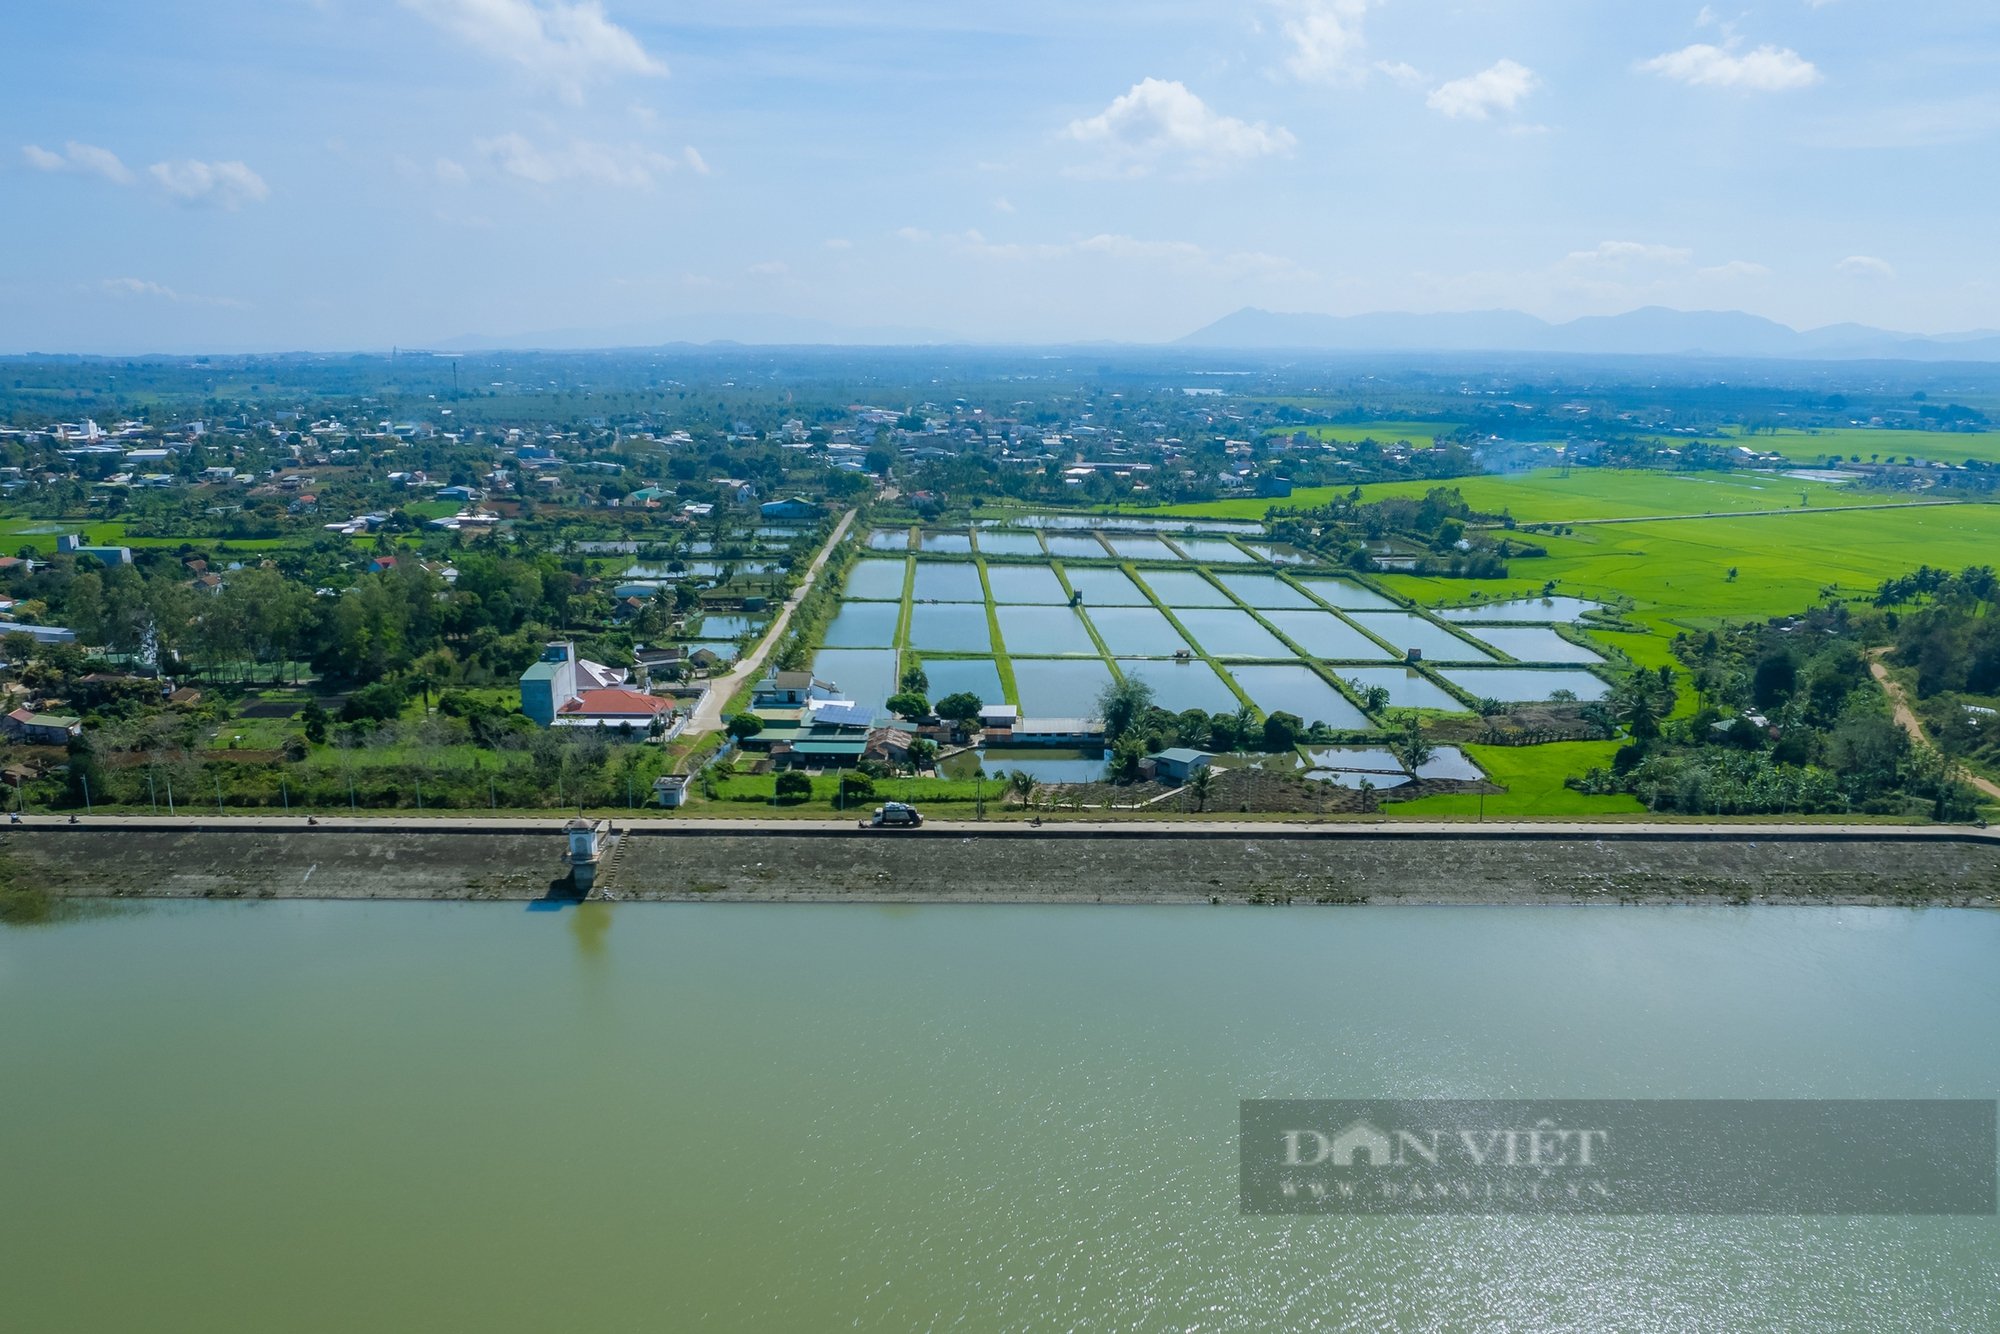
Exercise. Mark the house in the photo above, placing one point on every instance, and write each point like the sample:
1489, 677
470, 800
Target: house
1084, 732
889, 745
671, 789
42, 634
381, 564
999, 717
628, 608
795, 508
1177, 764
74, 545
462, 494
41, 729
788, 690
564, 688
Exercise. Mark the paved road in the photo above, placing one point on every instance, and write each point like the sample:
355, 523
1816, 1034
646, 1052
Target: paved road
1907, 719
835, 826
708, 714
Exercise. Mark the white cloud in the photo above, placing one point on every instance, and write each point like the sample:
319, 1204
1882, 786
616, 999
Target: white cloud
1500, 87
1768, 69
567, 44
1866, 268
838, 243
86, 158
1402, 74
1326, 39
450, 172
221, 184
696, 162
771, 268
145, 287
1627, 254
630, 165
1003, 205
1160, 119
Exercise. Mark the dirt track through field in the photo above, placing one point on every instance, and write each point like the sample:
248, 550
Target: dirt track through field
1906, 719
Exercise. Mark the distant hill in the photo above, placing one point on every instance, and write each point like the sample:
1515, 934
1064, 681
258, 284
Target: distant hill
763, 330
1653, 331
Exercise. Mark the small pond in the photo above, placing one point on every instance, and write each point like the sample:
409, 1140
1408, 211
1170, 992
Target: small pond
1060, 688
1010, 544
1342, 778
1533, 643
865, 675
1035, 584
1520, 685
1407, 689
1364, 759
954, 544
1536, 611
1265, 591
1214, 551
1298, 690
1077, 548
950, 627
1450, 762
948, 581
1231, 633
889, 539
1405, 630
876, 580
864, 625
1044, 766
1348, 596
1103, 586
1142, 548
1185, 588
1178, 686
721, 623
1324, 635
1138, 631
951, 676
1043, 630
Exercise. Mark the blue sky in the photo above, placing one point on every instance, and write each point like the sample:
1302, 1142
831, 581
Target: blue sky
269, 174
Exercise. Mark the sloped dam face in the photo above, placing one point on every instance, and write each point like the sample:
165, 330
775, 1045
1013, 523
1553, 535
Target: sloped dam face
1137, 865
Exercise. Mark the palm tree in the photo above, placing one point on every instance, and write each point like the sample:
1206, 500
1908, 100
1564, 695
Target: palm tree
1201, 785
1022, 784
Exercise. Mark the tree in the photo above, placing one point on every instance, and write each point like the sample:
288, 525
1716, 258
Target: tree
923, 753
1201, 786
1374, 698
793, 785
745, 725
1282, 731
1191, 729
854, 787
960, 707
1022, 784
1412, 747
314, 716
914, 678
1125, 757
1122, 703
909, 704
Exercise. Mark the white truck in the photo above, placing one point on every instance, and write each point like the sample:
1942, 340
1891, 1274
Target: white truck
894, 815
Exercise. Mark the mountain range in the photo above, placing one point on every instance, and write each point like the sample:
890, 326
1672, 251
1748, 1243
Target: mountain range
1652, 331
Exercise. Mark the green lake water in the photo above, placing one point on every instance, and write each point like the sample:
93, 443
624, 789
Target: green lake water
400, 1116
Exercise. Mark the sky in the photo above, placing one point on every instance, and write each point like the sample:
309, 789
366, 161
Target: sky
260, 175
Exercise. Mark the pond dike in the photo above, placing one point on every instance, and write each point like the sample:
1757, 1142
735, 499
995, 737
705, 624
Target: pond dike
1014, 862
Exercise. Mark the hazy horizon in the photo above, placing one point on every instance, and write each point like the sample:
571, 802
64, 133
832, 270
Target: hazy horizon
328, 175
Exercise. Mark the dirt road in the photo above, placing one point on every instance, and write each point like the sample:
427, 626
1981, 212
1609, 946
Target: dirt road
708, 714
1906, 719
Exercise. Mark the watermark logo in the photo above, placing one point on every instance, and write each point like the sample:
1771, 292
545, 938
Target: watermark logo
1618, 1157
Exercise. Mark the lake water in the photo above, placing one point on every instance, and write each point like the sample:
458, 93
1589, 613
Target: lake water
1140, 631
1298, 690
330, 1117
957, 544
881, 579
889, 539
720, 623
1178, 686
